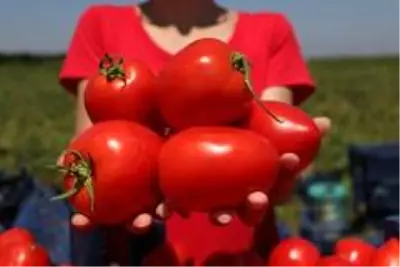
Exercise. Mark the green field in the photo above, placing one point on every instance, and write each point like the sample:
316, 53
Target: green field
359, 94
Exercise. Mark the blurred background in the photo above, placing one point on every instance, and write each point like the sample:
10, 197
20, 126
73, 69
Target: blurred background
352, 49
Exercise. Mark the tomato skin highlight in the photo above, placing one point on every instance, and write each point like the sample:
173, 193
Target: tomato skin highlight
387, 254
208, 168
200, 87
24, 255
124, 171
15, 235
294, 252
18, 248
355, 251
131, 97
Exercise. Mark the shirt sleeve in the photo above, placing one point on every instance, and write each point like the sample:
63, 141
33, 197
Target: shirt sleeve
286, 66
84, 52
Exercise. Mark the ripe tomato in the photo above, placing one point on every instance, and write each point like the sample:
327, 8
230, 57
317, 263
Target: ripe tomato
15, 236
24, 255
355, 251
123, 90
387, 254
206, 168
205, 84
333, 260
294, 132
294, 252
112, 175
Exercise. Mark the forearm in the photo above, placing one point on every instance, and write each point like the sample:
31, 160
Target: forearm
278, 93
82, 121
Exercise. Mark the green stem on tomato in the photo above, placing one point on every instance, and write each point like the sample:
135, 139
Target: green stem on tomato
241, 64
81, 171
112, 70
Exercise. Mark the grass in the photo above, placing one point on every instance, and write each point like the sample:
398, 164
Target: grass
360, 95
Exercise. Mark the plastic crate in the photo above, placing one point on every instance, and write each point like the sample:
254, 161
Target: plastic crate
375, 179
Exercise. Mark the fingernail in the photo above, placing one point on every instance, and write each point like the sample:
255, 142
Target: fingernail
224, 219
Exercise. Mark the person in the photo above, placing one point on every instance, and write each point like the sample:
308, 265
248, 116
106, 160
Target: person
153, 31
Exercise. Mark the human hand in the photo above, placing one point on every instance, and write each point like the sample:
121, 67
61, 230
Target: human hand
287, 176
251, 212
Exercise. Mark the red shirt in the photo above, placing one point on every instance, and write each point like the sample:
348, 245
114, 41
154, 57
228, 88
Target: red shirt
270, 44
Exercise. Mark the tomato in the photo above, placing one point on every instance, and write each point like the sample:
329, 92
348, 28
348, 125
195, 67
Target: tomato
123, 90
15, 236
24, 255
113, 166
293, 132
206, 168
333, 260
294, 251
355, 251
387, 254
205, 84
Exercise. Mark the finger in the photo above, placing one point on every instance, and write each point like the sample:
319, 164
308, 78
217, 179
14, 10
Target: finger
253, 210
163, 211
289, 161
323, 124
282, 190
141, 224
81, 222
60, 160
221, 218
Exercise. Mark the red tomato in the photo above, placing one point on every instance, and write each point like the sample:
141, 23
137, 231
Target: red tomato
119, 160
204, 85
355, 251
295, 132
333, 260
205, 168
123, 90
387, 254
15, 236
24, 255
294, 252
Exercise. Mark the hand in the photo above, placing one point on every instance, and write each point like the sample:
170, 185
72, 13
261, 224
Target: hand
288, 178
250, 212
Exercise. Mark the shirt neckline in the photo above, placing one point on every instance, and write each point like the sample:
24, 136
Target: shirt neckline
162, 53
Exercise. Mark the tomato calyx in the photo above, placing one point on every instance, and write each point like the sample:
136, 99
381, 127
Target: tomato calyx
112, 70
240, 63
81, 170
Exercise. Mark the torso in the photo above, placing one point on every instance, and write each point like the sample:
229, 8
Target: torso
125, 34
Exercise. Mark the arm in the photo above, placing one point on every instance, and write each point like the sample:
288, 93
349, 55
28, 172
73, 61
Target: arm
278, 93
81, 62
82, 121
287, 78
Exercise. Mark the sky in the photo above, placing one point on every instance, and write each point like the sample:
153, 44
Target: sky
324, 28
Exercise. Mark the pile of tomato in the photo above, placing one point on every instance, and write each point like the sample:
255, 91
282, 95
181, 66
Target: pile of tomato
195, 136
349, 251
19, 248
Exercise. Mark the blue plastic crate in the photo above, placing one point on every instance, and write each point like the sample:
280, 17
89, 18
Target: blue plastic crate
391, 226
375, 179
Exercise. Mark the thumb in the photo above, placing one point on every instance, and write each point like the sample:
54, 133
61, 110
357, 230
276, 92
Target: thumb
323, 124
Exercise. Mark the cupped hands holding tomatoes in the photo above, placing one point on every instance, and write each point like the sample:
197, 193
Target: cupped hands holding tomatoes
207, 164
